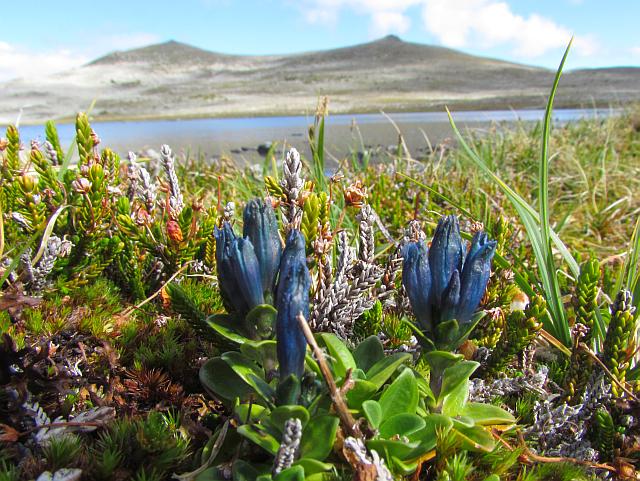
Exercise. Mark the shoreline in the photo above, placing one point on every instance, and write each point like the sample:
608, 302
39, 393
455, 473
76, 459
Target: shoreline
454, 106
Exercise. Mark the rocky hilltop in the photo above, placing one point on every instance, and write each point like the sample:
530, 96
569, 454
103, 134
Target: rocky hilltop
175, 80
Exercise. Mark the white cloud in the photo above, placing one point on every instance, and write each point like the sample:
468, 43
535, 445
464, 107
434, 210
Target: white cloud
17, 61
385, 22
321, 16
460, 23
20, 62
488, 23
635, 51
587, 45
387, 16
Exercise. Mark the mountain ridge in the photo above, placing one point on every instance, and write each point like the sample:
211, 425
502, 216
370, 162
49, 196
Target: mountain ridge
177, 80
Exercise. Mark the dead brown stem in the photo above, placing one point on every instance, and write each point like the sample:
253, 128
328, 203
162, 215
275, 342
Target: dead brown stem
349, 424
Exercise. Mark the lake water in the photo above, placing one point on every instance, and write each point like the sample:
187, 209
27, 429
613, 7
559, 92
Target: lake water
240, 137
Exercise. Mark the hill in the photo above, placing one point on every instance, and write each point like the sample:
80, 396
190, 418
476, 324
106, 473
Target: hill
172, 80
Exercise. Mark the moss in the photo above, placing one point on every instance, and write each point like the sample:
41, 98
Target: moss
63, 452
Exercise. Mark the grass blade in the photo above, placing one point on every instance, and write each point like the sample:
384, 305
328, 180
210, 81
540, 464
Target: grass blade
549, 276
436, 194
537, 225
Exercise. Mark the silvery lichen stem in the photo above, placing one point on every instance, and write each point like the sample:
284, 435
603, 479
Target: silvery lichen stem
288, 451
176, 201
51, 153
55, 249
366, 217
292, 184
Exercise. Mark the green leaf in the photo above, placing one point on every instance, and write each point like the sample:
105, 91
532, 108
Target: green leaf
455, 375
312, 364
262, 352
210, 474
403, 424
294, 473
221, 323
222, 382
401, 396
454, 401
313, 466
243, 471
400, 449
424, 390
439, 361
359, 393
550, 279
487, 414
262, 318
318, 437
435, 194
281, 414
463, 422
288, 390
319, 477
341, 358
446, 335
492, 477
476, 438
47, 233
404, 467
450, 334
260, 437
373, 412
427, 436
250, 373
384, 369
368, 352
250, 413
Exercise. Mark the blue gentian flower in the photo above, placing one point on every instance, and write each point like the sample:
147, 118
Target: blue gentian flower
475, 274
294, 251
226, 280
416, 278
261, 228
292, 299
443, 285
446, 255
238, 271
246, 270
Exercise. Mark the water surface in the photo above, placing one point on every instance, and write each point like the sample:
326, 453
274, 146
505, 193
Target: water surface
240, 137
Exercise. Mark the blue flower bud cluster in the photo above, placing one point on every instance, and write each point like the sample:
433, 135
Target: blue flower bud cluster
254, 270
248, 265
444, 282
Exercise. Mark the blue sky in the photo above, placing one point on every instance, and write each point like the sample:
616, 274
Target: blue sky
36, 38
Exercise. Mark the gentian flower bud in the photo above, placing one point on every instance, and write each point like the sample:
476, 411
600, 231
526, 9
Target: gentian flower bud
416, 278
475, 275
447, 286
261, 228
451, 299
226, 280
238, 271
445, 255
246, 270
292, 299
293, 251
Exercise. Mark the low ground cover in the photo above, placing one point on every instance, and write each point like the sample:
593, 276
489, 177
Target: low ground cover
471, 314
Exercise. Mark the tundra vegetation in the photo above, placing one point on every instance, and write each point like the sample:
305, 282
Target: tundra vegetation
467, 315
